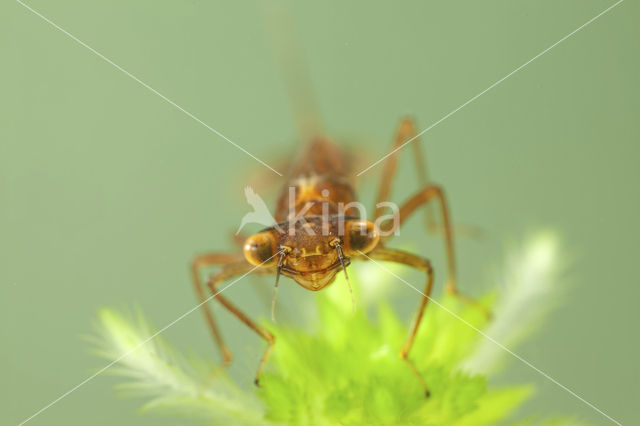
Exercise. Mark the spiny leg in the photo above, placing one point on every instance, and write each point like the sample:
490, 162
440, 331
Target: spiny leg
397, 256
216, 279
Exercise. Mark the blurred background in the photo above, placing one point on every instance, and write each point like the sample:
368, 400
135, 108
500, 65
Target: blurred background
107, 191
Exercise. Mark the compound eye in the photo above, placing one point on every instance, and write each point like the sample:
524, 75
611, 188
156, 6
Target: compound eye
360, 236
260, 249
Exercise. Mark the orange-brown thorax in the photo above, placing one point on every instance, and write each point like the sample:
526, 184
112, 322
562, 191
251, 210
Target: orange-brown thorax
319, 175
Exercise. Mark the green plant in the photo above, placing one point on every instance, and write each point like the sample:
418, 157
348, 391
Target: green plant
346, 370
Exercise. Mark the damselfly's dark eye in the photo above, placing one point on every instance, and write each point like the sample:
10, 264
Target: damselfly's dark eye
360, 236
261, 249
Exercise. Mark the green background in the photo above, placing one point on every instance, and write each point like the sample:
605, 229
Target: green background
107, 191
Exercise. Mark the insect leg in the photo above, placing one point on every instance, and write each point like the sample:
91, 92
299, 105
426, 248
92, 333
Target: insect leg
397, 256
227, 272
208, 260
406, 130
423, 197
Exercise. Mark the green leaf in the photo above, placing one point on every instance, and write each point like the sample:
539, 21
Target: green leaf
347, 370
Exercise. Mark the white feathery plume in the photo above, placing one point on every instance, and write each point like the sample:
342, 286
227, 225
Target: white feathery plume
529, 289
